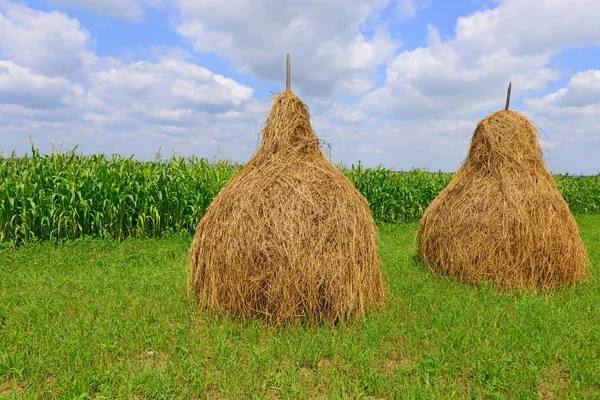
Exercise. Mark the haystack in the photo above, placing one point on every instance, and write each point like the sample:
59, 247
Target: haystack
502, 219
289, 238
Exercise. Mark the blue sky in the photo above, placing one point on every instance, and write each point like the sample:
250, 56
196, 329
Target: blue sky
400, 83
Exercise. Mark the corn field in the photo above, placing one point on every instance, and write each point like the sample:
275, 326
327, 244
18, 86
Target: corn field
67, 196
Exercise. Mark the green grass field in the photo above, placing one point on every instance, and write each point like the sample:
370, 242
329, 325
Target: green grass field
107, 319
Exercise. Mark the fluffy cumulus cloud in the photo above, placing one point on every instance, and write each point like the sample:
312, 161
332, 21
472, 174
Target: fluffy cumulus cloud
136, 108
464, 77
357, 136
169, 84
48, 43
174, 101
408, 8
468, 74
54, 89
20, 86
331, 54
581, 97
571, 115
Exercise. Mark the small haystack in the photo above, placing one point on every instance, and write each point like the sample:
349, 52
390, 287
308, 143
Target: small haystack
502, 218
289, 238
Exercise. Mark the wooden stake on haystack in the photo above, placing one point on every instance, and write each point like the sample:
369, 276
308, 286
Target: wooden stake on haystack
288, 68
508, 95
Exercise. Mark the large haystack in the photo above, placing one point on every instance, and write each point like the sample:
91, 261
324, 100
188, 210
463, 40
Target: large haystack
502, 218
289, 238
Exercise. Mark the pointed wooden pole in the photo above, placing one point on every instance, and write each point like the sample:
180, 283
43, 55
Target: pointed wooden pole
508, 96
288, 71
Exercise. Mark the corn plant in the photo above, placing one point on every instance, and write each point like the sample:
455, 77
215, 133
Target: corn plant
65, 196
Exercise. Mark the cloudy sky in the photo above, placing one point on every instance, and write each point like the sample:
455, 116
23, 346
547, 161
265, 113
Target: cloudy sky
400, 83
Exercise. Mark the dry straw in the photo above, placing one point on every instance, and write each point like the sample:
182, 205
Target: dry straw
502, 219
289, 238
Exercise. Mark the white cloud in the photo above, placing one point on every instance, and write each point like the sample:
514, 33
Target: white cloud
523, 26
468, 75
357, 136
119, 107
48, 43
581, 95
572, 110
169, 84
19, 86
433, 96
330, 54
408, 9
175, 103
